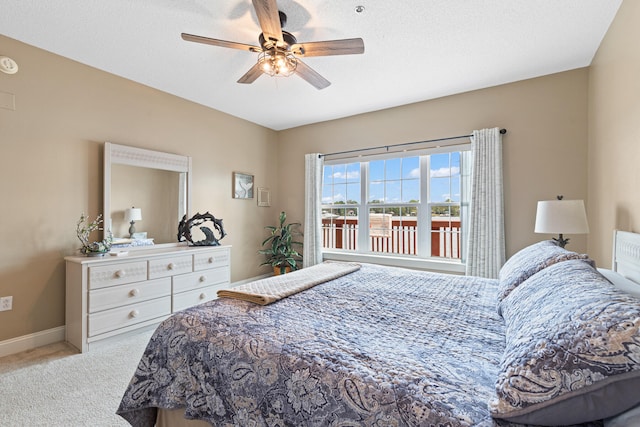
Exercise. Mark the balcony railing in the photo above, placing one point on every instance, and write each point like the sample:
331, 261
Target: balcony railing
400, 237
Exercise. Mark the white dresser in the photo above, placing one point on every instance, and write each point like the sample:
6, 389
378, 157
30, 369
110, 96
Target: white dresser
112, 295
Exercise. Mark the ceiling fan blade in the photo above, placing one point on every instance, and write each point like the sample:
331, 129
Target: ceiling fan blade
311, 76
329, 47
221, 43
251, 75
267, 11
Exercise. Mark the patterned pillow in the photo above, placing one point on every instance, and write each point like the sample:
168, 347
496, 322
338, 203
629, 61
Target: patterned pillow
529, 261
572, 349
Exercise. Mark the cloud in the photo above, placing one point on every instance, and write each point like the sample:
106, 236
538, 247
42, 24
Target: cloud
415, 173
444, 172
348, 175
338, 197
447, 196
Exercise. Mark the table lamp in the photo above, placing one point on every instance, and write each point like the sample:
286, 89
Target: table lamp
131, 216
561, 216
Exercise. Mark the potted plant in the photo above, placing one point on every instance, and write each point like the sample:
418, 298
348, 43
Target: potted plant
280, 247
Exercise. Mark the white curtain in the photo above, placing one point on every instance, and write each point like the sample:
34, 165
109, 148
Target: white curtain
312, 249
465, 202
485, 242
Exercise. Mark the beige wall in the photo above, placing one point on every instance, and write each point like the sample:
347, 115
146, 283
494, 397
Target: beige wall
51, 171
614, 132
544, 149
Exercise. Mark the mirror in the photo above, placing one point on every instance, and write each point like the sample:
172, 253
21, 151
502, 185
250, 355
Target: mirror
156, 183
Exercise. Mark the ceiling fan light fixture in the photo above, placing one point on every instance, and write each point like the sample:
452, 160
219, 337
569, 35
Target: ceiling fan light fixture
279, 50
277, 63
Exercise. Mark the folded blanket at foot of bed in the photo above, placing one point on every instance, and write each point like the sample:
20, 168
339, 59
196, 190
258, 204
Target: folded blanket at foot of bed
272, 289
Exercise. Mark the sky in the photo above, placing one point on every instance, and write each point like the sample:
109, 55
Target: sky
394, 180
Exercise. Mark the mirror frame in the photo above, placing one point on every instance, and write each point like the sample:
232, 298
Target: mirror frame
140, 157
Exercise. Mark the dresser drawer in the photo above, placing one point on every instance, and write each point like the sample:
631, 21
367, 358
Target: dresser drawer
198, 296
130, 293
117, 274
169, 266
205, 260
128, 315
200, 279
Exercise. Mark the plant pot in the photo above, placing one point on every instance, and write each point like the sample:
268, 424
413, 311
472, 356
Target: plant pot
277, 270
96, 253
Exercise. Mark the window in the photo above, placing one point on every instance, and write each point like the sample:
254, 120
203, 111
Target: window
402, 206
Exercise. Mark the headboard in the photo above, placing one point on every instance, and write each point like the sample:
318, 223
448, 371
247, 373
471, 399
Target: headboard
626, 254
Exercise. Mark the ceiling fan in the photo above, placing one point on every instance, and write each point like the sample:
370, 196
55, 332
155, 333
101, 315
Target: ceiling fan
279, 51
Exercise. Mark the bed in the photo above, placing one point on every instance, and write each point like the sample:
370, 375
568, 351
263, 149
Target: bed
553, 341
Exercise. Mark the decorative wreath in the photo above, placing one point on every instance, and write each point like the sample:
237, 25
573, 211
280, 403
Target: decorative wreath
185, 226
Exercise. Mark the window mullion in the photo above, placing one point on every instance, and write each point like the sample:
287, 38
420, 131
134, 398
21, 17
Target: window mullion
424, 210
363, 212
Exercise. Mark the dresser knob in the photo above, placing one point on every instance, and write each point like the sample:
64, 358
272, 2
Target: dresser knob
211, 260
203, 278
134, 313
203, 295
134, 292
120, 273
171, 266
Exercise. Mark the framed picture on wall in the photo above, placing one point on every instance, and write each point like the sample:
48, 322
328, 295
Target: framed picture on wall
264, 197
242, 185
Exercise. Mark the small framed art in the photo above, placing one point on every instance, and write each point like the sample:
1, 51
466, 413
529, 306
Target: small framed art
264, 197
242, 185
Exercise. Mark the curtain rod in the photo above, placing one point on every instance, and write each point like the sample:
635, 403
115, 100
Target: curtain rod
386, 147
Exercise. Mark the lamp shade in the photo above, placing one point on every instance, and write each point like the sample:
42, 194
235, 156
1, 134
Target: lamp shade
133, 214
562, 217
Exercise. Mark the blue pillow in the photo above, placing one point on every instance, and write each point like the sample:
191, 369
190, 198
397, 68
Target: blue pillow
529, 261
572, 349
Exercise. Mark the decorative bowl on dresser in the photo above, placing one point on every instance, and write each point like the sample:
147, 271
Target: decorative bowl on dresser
106, 297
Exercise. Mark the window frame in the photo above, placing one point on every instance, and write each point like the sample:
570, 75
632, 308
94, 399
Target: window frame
420, 260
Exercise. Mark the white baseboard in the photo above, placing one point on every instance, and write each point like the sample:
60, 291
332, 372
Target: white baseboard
31, 341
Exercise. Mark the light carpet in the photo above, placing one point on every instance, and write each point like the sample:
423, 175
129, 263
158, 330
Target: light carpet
74, 390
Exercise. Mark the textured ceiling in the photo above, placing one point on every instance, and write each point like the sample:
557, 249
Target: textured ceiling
414, 49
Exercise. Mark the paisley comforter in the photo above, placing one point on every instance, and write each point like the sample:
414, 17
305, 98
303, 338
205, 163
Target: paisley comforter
377, 347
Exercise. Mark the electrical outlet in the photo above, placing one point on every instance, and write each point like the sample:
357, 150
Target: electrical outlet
6, 303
